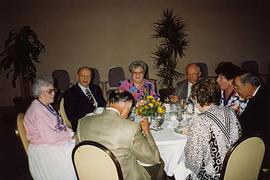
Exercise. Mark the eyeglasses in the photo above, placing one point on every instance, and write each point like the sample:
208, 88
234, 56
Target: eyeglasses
50, 91
138, 72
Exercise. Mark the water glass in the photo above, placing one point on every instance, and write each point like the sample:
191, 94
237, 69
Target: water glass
159, 121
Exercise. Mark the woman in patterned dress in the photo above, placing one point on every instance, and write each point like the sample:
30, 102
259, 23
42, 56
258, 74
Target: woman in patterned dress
137, 85
211, 134
226, 73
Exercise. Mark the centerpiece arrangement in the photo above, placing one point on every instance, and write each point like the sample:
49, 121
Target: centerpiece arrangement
150, 107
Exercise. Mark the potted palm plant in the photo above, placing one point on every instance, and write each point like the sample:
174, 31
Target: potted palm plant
22, 49
170, 34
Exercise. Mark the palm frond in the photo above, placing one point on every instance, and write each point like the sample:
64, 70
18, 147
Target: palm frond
170, 33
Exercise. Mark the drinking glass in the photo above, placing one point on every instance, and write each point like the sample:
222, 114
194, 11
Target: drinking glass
159, 121
179, 118
183, 105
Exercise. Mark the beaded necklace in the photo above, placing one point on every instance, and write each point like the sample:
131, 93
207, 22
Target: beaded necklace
60, 125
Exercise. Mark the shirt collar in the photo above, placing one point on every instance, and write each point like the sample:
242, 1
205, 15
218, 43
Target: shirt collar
255, 92
113, 109
82, 87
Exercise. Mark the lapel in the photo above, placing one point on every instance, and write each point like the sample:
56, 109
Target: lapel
81, 94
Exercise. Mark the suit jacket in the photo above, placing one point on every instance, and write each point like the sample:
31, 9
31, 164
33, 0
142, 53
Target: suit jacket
77, 104
255, 118
181, 89
124, 138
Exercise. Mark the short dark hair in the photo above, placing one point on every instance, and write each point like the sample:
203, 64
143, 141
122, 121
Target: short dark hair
228, 69
250, 78
206, 92
124, 96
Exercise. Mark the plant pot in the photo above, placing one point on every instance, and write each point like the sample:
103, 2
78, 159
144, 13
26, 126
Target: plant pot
22, 104
165, 93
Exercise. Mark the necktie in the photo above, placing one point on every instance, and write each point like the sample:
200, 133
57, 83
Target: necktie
90, 97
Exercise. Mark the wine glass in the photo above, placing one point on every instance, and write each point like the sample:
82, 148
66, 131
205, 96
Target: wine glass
183, 105
179, 118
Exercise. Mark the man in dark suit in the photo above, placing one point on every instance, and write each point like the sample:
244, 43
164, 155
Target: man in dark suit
256, 116
183, 88
82, 98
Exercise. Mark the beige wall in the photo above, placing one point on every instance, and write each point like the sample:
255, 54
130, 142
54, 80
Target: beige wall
105, 33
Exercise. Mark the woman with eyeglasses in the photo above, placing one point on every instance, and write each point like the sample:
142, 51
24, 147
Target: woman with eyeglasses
137, 85
51, 142
211, 134
226, 73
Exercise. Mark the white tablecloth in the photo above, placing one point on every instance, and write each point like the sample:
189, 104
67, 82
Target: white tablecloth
171, 147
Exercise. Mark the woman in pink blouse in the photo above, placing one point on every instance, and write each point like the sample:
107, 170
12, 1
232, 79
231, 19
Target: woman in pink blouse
137, 85
51, 143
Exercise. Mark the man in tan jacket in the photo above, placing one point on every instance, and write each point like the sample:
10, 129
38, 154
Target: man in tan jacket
130, 142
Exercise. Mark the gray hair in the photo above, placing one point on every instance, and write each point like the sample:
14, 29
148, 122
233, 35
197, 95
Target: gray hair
136, 64
41, 82
250, 78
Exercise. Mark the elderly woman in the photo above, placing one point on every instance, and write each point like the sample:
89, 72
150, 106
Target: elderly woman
51, 143
211, 134
226, 73
137, 85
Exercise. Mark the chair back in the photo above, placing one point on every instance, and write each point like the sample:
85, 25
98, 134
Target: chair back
21, 133
243, 161
95, 77
62, 79
204, 69
92, 160
115, 75
63, 114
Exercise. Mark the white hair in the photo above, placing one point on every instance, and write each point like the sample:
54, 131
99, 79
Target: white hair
41, 82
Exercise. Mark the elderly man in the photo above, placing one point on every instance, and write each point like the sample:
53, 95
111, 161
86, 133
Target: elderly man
256, 116
83, 97
130, 142
183, 88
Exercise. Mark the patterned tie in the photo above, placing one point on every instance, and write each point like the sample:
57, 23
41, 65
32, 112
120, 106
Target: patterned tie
90, 97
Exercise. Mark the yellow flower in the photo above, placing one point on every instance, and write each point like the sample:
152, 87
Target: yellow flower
149, 97
149, 106
160, 110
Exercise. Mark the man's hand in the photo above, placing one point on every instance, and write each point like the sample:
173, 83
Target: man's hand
174, 99
145, 126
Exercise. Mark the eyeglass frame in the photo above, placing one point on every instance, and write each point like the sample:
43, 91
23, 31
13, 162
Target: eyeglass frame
49, 91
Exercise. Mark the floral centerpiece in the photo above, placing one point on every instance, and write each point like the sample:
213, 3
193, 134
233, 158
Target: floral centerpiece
150, 106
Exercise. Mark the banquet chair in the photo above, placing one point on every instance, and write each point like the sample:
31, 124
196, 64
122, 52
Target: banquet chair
204, 69
63, 113
21, 133
61, 83
95, 77
62, 79
115, 75
243, 161
92, 160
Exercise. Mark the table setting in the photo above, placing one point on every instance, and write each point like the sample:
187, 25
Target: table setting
169, 127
